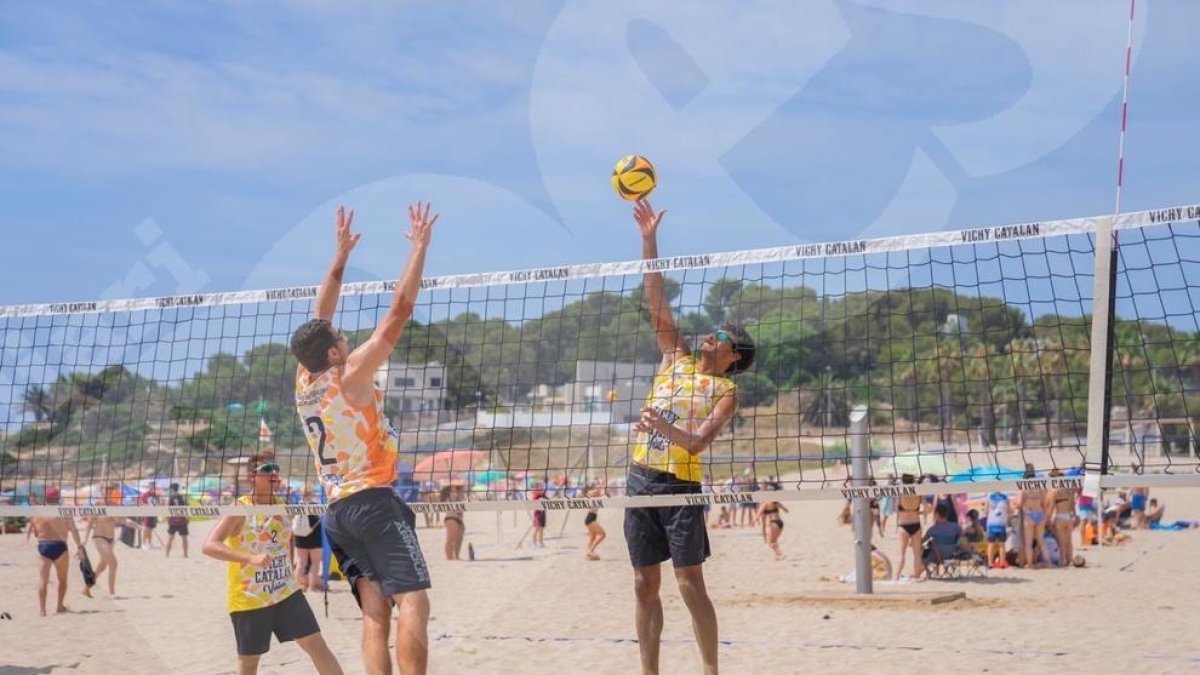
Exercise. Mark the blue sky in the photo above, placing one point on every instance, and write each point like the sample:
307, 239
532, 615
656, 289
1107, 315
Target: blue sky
152, 148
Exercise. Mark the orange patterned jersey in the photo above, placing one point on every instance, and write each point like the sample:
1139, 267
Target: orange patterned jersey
354, 448
685, 397
254, 588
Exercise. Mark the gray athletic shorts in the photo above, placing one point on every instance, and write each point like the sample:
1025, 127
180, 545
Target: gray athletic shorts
374, 535
675, 533
289, 620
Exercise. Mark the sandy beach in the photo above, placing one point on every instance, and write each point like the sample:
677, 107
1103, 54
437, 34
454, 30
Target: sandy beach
1133, 608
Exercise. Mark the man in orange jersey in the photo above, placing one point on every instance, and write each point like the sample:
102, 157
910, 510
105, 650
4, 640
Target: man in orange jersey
372, 531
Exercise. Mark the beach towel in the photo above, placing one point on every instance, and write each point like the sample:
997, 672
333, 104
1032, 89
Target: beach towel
1175, 526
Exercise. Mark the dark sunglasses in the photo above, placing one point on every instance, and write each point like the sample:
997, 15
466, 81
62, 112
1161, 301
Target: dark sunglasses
270, 469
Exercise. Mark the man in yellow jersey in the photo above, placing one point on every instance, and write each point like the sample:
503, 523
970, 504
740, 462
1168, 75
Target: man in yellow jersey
264, 597
372, 531
690, 401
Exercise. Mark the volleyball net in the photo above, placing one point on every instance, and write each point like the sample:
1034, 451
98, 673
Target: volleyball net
970, 350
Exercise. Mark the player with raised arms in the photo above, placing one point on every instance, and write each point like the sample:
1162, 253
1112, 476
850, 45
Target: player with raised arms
690, 400
354, 446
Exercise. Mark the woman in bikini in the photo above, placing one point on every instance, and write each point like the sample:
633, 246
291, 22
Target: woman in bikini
596, 533
103, 531
770, 514
455, 529
1064, 521
1033, 512
908, 523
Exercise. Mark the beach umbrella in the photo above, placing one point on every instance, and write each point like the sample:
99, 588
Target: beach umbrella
980, 474
204, 484
442, 465
917, 464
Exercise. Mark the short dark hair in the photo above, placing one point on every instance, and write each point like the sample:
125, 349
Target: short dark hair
743, 346
311, 344
941, 511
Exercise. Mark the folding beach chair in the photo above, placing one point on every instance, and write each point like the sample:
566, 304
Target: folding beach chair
952, 563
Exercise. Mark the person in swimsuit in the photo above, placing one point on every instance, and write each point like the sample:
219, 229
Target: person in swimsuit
177, 525
1063, 521
455, 528
51, 534
539, 519
770, 514
1033, 512
591, 521
909, 509
102, 532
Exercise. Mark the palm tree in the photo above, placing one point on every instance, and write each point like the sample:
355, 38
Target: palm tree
949, 370
904, 376
37, 401
1023, 360
1130, 356
979, 373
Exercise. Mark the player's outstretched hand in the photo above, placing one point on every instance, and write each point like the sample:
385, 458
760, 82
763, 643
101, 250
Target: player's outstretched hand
647, 220
344, 239
421, 223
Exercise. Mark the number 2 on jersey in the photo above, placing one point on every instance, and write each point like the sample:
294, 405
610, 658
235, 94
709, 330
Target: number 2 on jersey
315, 425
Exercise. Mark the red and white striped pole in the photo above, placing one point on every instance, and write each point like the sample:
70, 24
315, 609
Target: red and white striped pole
1125, 105
1103, 289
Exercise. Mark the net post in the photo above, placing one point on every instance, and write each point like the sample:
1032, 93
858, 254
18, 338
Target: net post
1100, 363
860, 475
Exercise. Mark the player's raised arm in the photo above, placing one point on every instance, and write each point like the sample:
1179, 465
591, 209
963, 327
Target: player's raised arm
366, 359
331, 285
669, 340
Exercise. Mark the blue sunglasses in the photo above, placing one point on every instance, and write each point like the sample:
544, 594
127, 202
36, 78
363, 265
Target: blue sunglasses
722, 336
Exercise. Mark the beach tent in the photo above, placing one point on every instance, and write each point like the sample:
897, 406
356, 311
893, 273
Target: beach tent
917, 464
982, 474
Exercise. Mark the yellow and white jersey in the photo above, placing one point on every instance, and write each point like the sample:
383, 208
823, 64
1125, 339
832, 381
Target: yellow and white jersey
685, 397
251, 587
354, 447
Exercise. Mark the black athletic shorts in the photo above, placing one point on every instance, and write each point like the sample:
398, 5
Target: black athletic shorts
181, 529
675, 533
374, 535
312, 539
289, 620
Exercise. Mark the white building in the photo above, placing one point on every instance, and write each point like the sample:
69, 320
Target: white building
413, 387
619, 388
